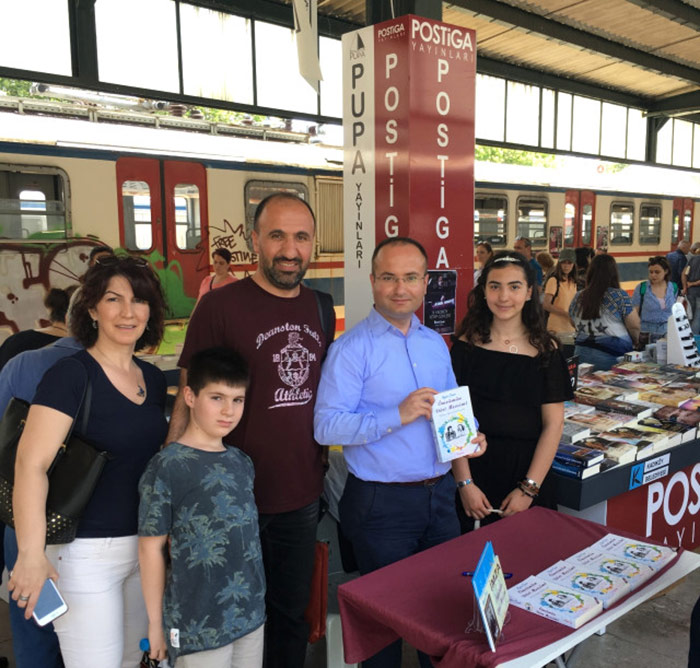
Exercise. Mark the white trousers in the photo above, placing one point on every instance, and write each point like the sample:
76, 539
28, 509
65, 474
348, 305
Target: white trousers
100, 581
246, 652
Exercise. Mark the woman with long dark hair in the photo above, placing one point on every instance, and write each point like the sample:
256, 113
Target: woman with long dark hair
518, 382
607, 326
119, 310
484, 252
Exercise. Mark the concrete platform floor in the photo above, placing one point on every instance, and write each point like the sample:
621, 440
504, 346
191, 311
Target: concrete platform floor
654, 635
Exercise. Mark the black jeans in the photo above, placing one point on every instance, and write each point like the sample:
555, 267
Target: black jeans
288, 542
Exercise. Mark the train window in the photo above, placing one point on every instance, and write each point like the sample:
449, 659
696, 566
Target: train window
569, 220
621, 223
650, 224
188, 224
587, 225
256, 191
676, 226
138, 233
532, 220
490, 219
32, 203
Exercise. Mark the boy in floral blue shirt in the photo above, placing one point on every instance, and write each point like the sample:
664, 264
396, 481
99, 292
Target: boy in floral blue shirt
208, 608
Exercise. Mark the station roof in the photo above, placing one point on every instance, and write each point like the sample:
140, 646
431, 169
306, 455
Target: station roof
644, 53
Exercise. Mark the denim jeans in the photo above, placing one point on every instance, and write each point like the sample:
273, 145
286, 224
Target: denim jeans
695, 306
600, 360
288, 544
32, 645
386, 523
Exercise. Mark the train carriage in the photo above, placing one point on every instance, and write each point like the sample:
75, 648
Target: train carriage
173, 196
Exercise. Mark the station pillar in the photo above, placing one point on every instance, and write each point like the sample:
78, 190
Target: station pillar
408, 117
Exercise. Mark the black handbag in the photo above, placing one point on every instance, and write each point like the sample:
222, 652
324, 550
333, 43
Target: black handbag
73, 474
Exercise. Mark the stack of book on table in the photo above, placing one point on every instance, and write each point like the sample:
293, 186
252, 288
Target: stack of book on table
633, 411
575, 590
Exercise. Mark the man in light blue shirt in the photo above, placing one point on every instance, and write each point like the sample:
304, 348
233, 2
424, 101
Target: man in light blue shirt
375, 399
32, 645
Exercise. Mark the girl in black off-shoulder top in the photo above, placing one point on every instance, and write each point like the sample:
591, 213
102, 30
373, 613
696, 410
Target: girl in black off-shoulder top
518, 380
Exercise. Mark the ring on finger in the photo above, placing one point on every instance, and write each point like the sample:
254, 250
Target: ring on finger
23, 598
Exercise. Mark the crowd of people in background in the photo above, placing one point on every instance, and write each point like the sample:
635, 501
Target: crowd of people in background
210, 549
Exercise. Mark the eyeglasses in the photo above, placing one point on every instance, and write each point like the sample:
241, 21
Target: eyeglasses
113, 260
390, 279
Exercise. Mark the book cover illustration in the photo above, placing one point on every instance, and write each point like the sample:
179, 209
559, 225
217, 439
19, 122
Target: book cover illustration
453, 423
597, 422
572, 432
491, 594
634, 572
680, 414
580, 456
620, 451
557, 602
624, 407
656, 556
691, 404
606, 588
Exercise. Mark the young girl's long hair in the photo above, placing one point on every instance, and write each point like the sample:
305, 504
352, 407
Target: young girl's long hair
476, 325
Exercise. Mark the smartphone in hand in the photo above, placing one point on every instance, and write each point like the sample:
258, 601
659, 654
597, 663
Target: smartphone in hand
50, 604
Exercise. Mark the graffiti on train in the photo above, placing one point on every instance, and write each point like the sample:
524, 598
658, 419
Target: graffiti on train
235, 240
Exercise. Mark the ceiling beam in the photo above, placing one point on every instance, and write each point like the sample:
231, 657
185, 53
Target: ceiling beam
549, 28
674, 10
675, 106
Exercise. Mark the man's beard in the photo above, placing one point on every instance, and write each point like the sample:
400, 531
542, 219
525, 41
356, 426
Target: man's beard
283, 280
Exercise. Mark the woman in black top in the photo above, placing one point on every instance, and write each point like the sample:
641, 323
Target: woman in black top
56, 303
518, 382
119, 310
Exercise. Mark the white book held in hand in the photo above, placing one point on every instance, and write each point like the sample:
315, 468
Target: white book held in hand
606, 588
453, 422
554, 601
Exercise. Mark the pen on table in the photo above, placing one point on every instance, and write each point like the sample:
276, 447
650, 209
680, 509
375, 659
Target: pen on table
468, 574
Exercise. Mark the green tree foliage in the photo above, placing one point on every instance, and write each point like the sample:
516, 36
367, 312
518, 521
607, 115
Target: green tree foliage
15, 87
510, 156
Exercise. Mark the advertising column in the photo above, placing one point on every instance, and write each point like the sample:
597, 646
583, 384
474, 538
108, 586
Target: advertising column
409, 157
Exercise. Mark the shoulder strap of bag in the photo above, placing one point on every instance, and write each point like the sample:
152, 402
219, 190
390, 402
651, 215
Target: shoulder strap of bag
85, 401
326, 314
642, 292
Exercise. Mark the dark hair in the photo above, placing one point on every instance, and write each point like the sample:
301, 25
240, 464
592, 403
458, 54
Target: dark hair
145, 285
223, 253
559, 274
96, 250
662, 262
217, 365
391, 241
57, 301
476, 325
271, 198
601, 275
525, 240
486, 245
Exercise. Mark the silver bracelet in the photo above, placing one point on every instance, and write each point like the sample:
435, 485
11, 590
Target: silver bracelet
464, 483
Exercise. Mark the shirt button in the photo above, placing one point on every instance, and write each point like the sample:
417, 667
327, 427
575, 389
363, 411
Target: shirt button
414, 364
388, 430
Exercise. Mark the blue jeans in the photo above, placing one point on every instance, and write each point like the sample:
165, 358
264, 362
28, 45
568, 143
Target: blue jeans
695, 306
288, 545
32, 645
386, 523
600, 360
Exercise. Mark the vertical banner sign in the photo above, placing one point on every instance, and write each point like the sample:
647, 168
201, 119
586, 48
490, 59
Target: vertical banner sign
408, 87
306, 31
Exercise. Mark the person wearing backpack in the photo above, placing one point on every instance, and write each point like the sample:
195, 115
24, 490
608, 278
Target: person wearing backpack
653, 299
559, 290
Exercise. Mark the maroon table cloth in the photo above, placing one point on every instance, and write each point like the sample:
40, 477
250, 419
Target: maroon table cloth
426, 600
